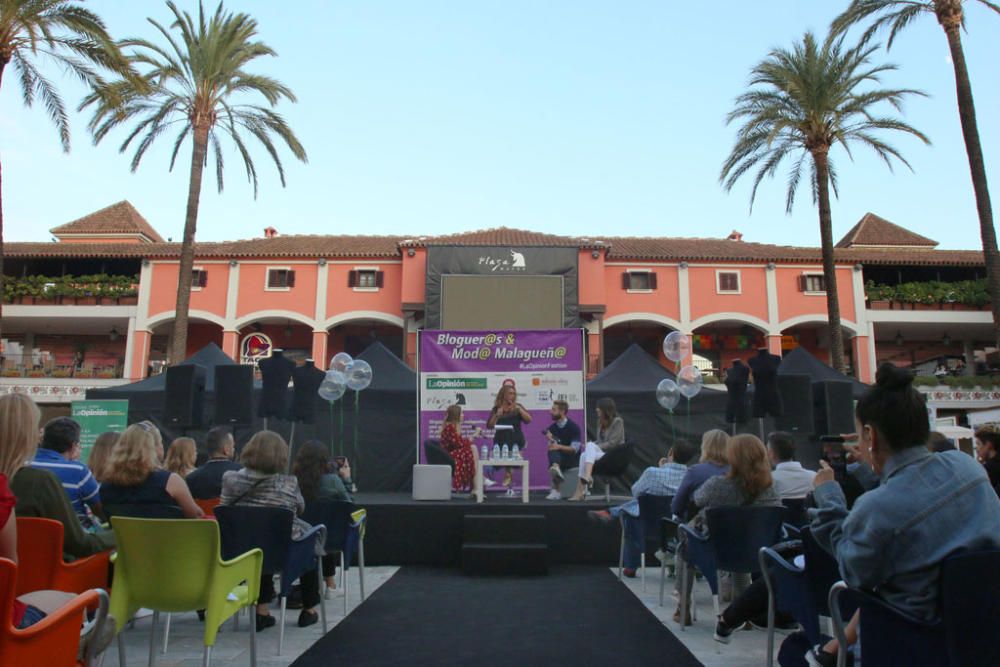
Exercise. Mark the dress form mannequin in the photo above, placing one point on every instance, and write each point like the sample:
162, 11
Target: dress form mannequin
307, 379
275, 372
736, 400
766, 399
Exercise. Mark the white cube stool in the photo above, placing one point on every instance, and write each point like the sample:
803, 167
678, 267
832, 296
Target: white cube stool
431, 482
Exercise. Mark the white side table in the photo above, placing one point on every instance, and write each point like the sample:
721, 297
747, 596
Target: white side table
503, 463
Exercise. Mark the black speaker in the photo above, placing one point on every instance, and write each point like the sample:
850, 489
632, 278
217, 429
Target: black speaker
797, 399
834, 407
233, 395
183, 398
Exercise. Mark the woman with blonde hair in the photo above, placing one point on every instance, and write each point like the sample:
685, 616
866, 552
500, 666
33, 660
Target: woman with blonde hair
100, 452
747, 483
181, 456
133, 476
506, 419
712, 463
262, 482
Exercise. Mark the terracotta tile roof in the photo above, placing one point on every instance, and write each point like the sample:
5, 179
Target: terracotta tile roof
120, 218
504, 236
873, 231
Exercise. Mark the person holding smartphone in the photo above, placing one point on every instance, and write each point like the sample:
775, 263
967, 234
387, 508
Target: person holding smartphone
462, 450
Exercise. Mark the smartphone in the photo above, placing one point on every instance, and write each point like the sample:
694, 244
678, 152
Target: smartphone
339, 461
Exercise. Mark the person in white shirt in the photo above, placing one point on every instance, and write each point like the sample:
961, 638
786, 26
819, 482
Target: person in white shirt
791, 480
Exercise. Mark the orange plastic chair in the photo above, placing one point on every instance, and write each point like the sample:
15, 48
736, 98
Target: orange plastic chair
54, 640
41, 565
208, 506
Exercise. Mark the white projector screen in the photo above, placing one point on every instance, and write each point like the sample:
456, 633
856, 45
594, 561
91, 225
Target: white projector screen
501, 302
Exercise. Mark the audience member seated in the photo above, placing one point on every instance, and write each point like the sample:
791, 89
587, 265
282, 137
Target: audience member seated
100, 452
205, 482
987, 443
610, 434
748, 483
261, 482
926, 507
662, 479
938, 443
712, 463
181, 456
322, 479
133, 475
791, 480
564, 439
59, 453
462, 450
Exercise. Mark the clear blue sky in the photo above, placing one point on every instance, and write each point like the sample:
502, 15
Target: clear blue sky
569, 116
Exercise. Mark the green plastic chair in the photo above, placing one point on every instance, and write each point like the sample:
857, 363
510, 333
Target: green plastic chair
173, 565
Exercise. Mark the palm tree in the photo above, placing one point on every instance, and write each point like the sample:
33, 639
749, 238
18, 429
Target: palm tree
897, 15
65, 34
800, 103
194, 84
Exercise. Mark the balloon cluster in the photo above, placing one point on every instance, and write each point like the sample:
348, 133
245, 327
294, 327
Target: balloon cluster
676, 348
345, 373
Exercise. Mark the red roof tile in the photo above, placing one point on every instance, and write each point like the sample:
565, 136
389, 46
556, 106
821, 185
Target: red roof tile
120, 218
873, 231
504, 236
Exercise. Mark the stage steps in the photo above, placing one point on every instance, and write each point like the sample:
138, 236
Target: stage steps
499, 544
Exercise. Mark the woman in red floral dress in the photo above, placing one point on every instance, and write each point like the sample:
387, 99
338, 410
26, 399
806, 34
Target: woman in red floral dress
461, 449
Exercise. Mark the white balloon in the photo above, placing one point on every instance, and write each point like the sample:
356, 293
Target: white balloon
359, 375
668, 393
689, 381
676, 346
340, 362
333, 386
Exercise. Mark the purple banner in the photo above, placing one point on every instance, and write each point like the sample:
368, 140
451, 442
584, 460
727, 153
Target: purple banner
469, 367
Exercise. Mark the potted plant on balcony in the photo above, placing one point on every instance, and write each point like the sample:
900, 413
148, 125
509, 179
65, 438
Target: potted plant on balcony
107, 373
62, 372
36, 372
879, 296
12, 372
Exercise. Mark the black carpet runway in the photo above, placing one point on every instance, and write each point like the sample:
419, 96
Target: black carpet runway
577, 615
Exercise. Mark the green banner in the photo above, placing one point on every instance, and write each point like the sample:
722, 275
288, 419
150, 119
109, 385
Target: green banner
97, 417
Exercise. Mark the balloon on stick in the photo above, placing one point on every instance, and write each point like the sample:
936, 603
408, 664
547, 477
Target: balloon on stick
668, 394
689, 381
340, 362
333, 386
676, 346
359, 375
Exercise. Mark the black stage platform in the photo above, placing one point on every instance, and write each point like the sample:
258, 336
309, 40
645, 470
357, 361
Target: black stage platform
402, 531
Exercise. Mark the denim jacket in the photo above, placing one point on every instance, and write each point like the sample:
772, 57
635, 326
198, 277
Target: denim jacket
927, 507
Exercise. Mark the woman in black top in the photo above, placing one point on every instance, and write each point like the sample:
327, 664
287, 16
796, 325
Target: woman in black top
508, 412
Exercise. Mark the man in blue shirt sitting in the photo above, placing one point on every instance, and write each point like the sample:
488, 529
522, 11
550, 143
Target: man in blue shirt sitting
59, 453
660, 480
564, 446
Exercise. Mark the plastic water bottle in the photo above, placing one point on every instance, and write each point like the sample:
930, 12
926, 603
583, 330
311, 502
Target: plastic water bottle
485, 454
496, 452
515, 453
505, 452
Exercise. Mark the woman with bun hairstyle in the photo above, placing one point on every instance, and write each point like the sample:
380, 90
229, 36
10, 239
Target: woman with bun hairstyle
925, 508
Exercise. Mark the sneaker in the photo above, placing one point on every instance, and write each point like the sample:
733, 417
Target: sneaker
555, 473
510, 492
554, 495
487, 482
627, 571
600, 516
662, 556
817, 657
723, 633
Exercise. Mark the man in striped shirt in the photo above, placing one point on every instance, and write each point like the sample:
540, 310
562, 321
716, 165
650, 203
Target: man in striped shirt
59, 453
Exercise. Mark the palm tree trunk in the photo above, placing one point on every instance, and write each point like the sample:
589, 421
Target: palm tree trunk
820, 156
3, 64
178, 347
970, 132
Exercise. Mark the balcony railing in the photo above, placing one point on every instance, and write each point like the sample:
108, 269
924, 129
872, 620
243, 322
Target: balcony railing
929, 295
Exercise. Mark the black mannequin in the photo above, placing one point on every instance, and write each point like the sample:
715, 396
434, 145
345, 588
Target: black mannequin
736, 400
307, 379
275, 372
766, 399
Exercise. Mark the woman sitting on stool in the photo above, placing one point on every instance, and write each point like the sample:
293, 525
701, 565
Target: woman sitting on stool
461, 449
507, 416
610, 434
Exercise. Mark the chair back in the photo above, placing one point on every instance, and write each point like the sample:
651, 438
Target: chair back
39, 553
738, 533
144, 511
970, 583
615, 461
266, 528
208, 505
652, 509
336, 516
436, 455
821, 572
795, 511
163, 564
889, 636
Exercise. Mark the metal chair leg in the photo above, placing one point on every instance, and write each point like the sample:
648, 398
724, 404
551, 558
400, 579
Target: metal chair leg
207, 659
152, 638
121, 648
685, 596
663, 576
621, 550
253, 643
166, 634
642, 564
344, 580
361, 567
281, 625
321, 585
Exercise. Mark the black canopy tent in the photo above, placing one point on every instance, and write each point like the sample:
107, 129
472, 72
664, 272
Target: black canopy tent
385, 422
800, 362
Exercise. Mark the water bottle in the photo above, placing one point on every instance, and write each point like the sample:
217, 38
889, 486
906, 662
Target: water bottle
485, 454
496, 452
515, 453
505, 452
